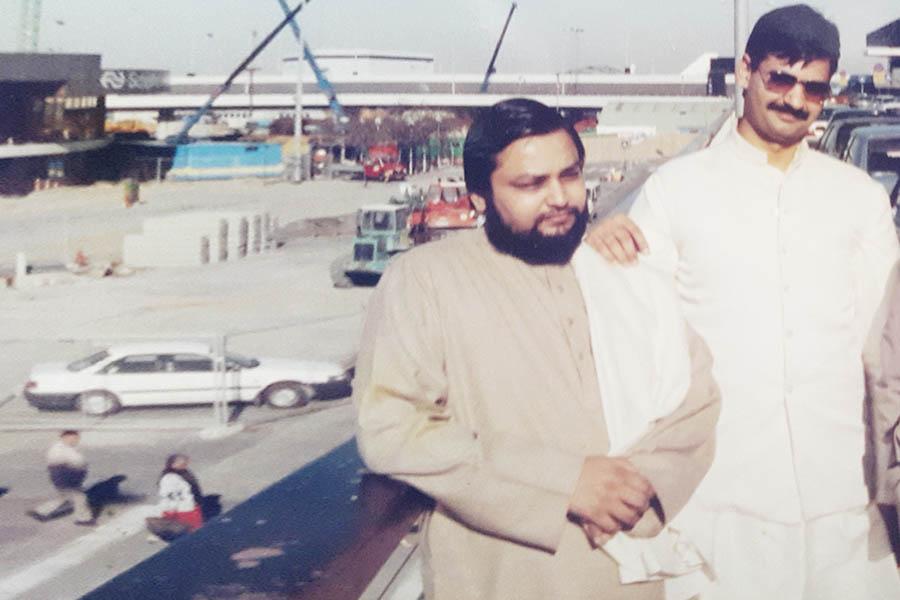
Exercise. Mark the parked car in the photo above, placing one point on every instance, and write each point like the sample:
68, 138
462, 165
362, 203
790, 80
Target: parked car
174, 373
876, 150
839, 134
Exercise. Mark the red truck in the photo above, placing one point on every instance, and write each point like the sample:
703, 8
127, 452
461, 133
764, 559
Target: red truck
383, 163
446, 207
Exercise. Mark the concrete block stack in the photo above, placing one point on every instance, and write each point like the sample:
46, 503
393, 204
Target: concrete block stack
198, 238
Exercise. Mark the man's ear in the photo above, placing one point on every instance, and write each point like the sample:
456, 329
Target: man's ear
742, 71
478, 202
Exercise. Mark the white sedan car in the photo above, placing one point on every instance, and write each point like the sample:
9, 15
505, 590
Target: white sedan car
172, 373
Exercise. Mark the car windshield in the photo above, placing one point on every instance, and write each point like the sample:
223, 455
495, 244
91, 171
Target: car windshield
244, 362
884, 158
438, 193
87, 361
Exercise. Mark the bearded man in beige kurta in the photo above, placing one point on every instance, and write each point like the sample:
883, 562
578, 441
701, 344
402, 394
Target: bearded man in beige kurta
476, 383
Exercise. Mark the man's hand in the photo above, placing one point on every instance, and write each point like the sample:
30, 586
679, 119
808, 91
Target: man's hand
596, 536
610, 497
617, 239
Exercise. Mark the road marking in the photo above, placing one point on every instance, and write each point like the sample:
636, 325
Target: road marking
76, 552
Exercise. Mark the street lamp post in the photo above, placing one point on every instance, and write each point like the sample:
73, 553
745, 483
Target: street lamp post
576, 31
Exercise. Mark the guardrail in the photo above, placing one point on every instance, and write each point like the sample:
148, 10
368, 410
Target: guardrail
323, 532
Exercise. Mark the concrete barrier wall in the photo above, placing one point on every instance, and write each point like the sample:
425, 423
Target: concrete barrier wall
199, 238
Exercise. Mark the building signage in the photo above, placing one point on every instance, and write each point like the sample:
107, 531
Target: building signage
132, 81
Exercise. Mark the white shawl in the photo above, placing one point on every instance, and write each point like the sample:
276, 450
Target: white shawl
640, 347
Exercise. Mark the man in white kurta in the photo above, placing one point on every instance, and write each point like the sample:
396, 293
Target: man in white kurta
780, 255
780, 275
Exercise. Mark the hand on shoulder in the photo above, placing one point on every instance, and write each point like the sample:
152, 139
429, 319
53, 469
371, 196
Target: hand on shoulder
618, 239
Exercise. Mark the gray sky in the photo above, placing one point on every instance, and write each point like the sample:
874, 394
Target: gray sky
212, 36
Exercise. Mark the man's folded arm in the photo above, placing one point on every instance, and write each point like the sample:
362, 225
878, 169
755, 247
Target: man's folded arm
678, 450
497, 483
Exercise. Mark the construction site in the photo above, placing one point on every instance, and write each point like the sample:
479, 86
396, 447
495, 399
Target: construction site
251, 213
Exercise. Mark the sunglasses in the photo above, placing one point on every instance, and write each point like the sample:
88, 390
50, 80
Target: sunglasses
780, 82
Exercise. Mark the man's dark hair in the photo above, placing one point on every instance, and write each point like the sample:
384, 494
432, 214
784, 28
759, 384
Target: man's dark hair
794, 33
497, 127
68, 432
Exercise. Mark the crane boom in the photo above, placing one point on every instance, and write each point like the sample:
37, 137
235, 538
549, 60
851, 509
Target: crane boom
323, 82
490, 69
181, 136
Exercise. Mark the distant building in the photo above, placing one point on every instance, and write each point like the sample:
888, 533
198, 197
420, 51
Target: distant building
347, 64
51, 125
885, 42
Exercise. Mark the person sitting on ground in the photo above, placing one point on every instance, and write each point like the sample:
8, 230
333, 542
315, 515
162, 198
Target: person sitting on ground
179, 493
67, 468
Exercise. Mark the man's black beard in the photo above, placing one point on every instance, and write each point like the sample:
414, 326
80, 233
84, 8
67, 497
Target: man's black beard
534, 247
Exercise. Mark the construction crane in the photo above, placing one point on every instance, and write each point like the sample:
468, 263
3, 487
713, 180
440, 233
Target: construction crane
336, 109
323, 82
29, 25
182, 135
490, 70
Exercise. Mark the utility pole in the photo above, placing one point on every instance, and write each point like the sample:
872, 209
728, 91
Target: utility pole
249, 90
740, 27
29, 25
298, 113
576, 31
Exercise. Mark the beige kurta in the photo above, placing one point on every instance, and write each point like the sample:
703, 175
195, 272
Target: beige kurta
476, 384
882, 361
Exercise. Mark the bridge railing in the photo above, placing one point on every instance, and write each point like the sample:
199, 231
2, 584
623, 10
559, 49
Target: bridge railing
323, 532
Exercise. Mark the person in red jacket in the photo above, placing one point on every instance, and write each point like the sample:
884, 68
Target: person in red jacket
179, 493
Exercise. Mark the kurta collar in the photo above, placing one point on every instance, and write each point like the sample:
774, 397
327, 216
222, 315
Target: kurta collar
750, 153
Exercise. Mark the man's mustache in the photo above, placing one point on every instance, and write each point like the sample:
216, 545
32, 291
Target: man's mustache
797, 113
571, 211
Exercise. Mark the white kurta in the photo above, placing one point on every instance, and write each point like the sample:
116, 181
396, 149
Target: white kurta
780, 273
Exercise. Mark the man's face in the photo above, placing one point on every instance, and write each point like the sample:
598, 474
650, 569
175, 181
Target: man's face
538, 210
780, 113
71, 439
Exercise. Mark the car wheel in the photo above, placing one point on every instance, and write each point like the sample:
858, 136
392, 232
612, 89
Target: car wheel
287, 395
98, 403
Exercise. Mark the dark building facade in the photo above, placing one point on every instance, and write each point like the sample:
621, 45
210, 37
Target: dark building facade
52, 113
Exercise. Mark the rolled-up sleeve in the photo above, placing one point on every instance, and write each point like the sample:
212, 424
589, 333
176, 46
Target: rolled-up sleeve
500, 484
